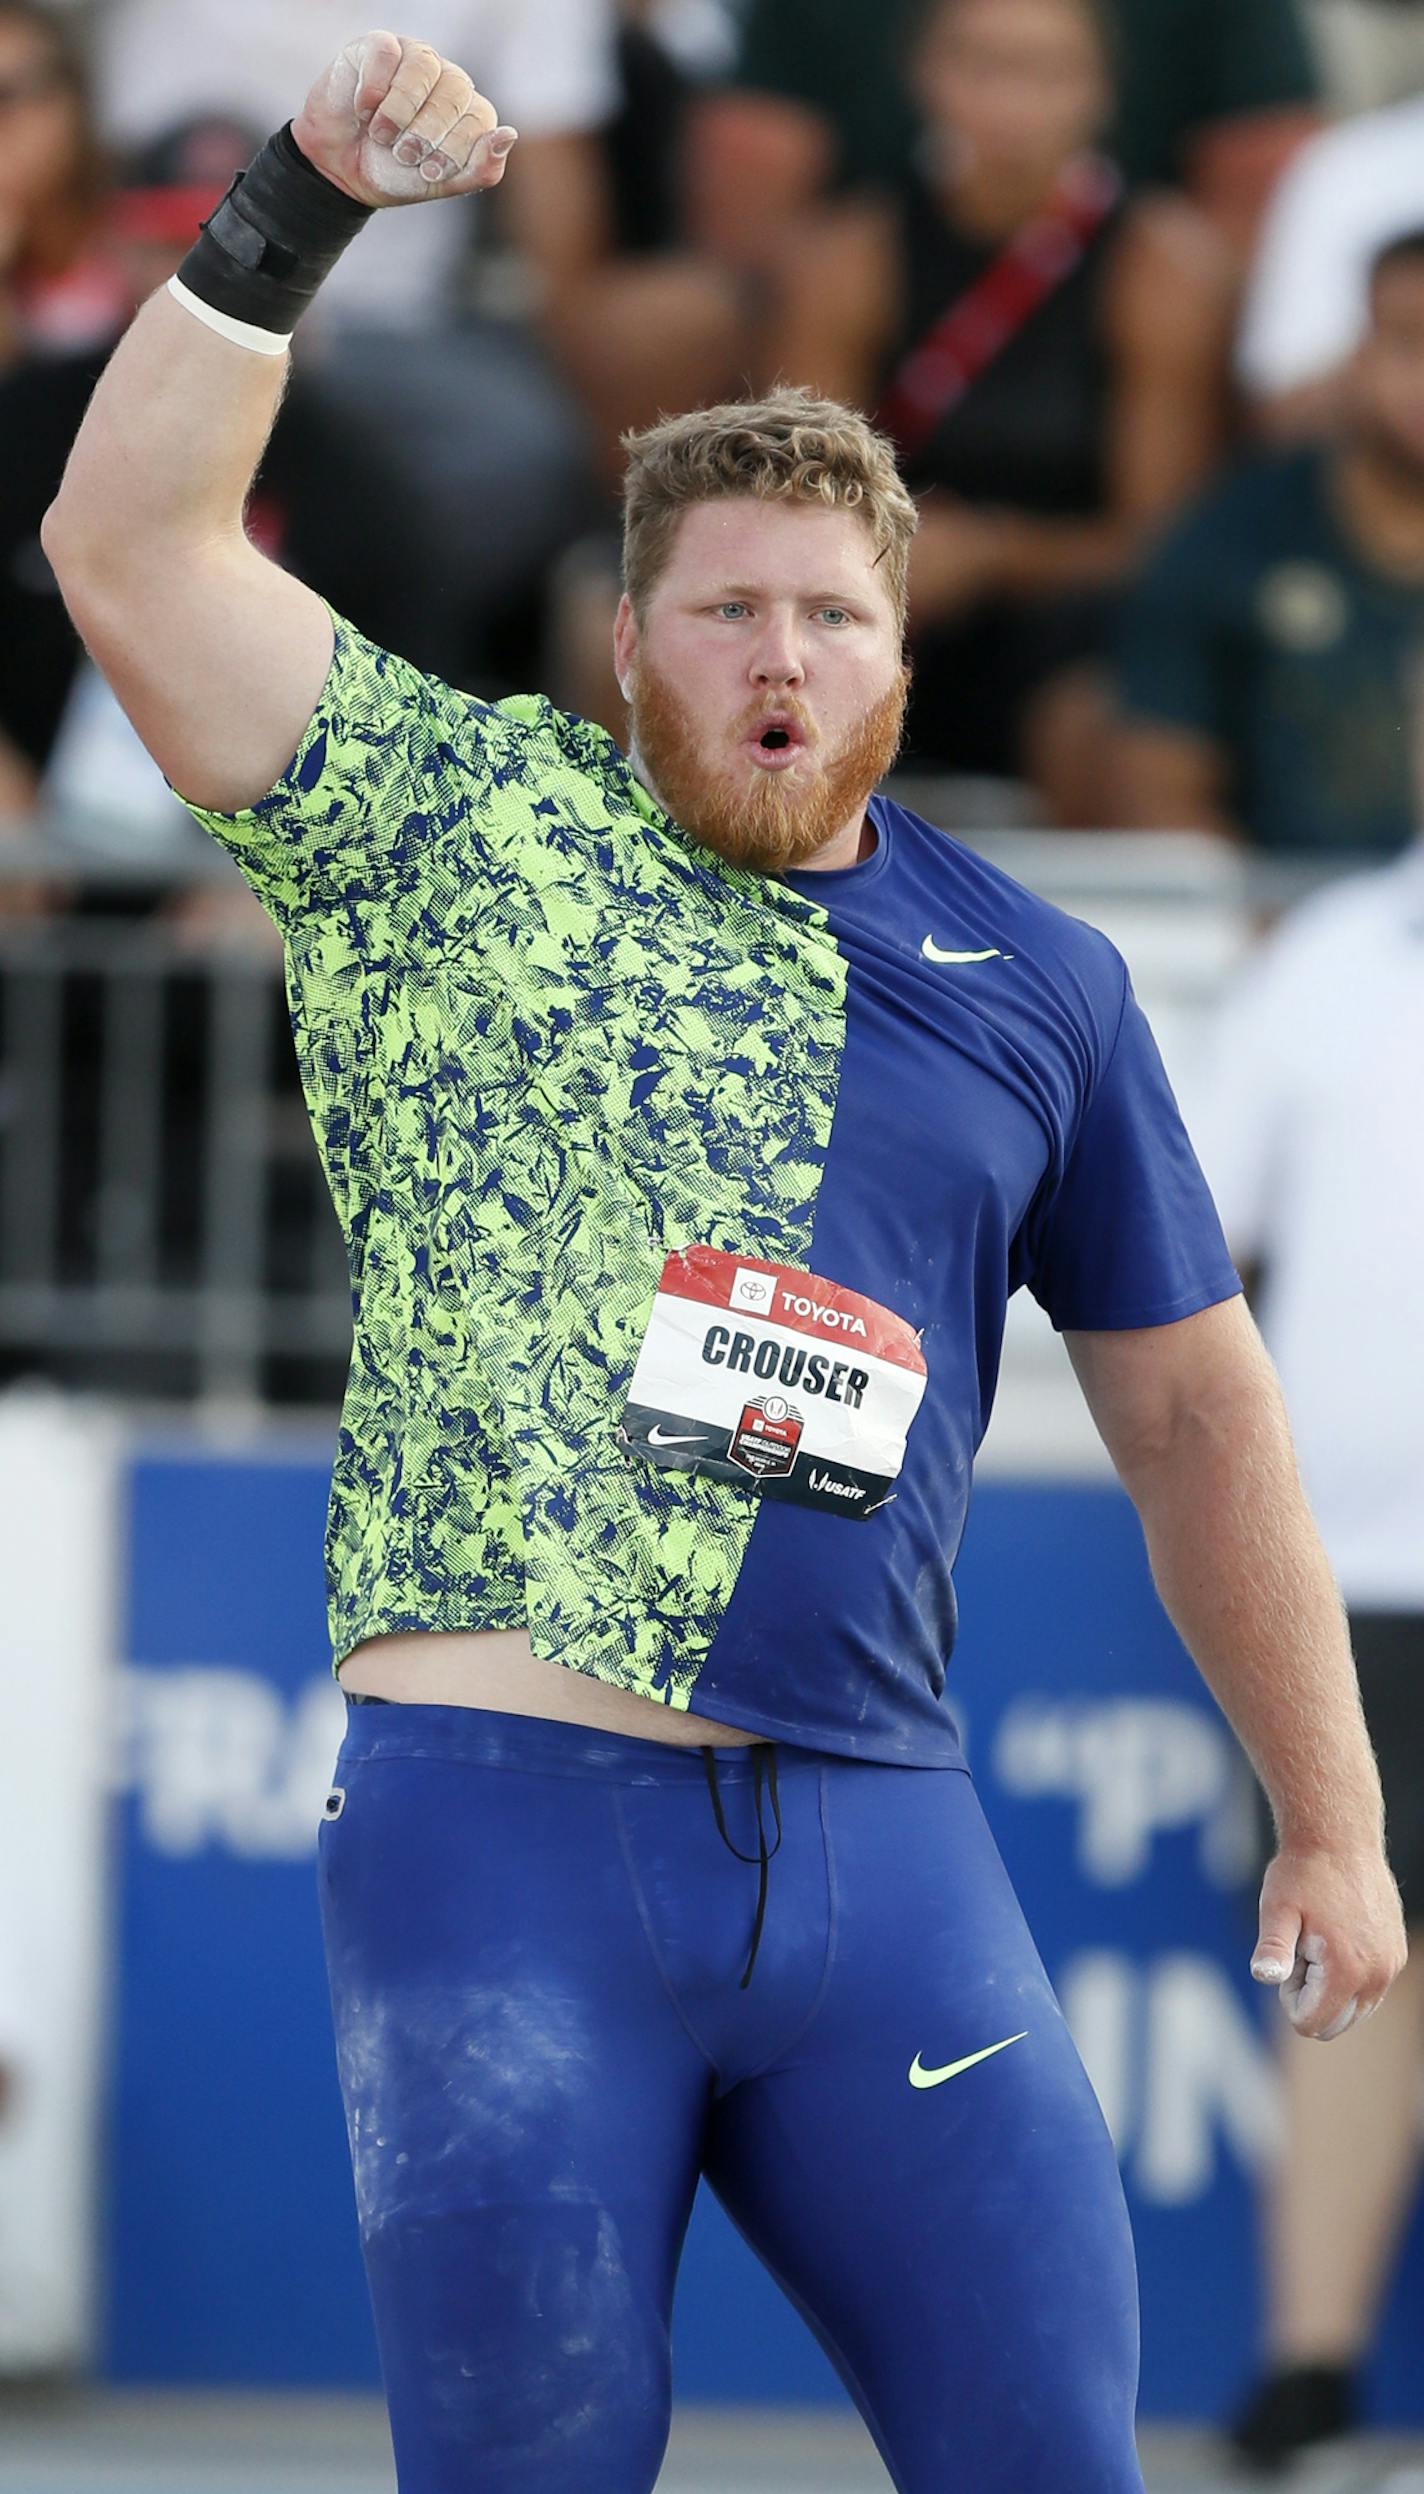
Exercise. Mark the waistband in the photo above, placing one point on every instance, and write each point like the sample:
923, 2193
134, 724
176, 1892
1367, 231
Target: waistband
478, 1736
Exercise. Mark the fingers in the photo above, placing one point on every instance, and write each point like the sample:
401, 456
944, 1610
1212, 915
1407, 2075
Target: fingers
1312, 1994
375, 58
417, 76
1338, 2025
1275, 1953
470, 147
449, 124
431, 116
360, 75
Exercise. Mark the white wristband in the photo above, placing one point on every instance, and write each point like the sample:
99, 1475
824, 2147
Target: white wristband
239, 332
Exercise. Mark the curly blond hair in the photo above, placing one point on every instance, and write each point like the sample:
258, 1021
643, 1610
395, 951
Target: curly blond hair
790, 446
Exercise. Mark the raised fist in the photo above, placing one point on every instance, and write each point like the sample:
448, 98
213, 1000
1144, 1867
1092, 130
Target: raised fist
391, 123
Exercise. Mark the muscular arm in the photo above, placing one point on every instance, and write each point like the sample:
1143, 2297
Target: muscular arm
1192, 1416
217, 656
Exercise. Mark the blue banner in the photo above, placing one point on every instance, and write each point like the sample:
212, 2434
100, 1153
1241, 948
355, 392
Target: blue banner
1114, 1789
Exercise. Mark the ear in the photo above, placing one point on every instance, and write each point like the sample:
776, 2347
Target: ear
625, 644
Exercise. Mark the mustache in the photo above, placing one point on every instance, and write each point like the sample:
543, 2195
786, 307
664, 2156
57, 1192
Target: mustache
788, 707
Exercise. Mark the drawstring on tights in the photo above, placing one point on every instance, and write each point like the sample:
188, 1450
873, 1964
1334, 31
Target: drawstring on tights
763, 1761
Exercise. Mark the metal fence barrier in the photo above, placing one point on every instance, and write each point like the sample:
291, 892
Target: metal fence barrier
165, 1231
164, 1227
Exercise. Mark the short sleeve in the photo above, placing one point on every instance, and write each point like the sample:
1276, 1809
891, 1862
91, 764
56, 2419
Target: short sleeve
1171, 651
1129, 1235
387, 754
1305, 297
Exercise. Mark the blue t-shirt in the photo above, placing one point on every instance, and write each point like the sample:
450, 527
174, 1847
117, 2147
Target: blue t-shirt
683, 1205
999, 1122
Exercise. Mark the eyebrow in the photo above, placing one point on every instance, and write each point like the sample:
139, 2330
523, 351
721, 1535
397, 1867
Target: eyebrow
759, 588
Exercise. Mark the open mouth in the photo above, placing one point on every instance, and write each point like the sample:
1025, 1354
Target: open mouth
776, 742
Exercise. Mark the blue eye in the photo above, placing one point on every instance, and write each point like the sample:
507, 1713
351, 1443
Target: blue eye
841, 614
732, 606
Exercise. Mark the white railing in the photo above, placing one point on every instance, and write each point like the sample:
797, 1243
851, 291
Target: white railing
164, 1227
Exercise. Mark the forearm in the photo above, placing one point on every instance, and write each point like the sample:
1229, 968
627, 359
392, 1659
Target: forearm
1241, 1571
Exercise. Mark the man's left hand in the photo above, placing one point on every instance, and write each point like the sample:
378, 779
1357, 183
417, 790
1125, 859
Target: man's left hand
1331, 1938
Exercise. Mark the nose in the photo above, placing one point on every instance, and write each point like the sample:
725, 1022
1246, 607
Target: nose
777, 659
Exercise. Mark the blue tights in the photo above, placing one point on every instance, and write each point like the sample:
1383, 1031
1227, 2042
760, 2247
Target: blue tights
538, 1937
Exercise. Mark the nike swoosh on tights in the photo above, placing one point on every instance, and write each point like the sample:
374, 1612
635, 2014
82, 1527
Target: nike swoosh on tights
921, 2077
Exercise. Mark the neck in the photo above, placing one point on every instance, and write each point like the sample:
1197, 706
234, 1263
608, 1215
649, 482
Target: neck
855, 840
1381, 499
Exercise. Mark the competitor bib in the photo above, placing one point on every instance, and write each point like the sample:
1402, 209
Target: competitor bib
767, 1376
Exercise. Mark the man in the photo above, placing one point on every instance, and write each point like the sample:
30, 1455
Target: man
691, 1121
1263, 658
1310, 1133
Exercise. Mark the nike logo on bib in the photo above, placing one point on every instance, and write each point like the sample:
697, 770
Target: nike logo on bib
932, 952
658, 1437
921, 2077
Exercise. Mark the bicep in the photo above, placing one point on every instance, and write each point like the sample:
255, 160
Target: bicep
217, 656
1141, 1384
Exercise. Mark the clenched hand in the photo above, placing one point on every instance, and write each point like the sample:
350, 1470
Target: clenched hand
1331, 1937
391, 123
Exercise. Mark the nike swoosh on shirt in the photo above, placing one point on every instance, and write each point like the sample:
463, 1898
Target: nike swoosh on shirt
932, 952
656, 1438
921, 2077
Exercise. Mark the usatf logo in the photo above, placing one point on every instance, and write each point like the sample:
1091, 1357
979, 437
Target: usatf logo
753, 1290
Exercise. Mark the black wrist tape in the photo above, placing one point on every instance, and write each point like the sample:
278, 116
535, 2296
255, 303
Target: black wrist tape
271, 239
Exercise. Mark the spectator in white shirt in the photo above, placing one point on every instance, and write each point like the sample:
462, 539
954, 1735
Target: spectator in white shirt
1310, 1133
1346, 194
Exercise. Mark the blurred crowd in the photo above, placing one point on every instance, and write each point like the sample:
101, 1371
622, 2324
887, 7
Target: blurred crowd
1137, 286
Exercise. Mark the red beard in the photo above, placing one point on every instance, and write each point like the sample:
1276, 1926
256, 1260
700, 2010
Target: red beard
773, 823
